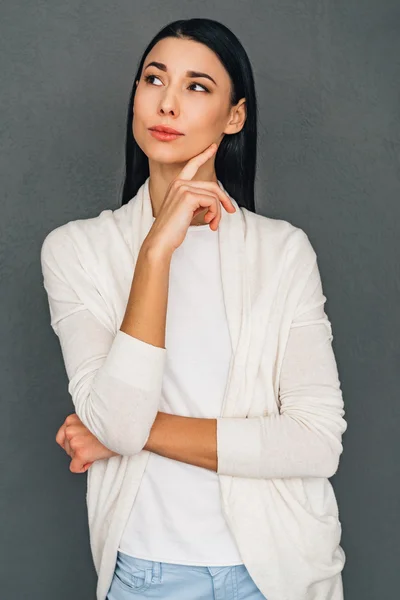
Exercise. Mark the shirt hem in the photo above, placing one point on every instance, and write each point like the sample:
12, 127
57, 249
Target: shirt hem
188, 564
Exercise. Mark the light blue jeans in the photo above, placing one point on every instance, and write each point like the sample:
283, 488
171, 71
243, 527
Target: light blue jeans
140, 578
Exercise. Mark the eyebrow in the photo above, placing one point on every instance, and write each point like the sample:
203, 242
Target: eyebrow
163, 67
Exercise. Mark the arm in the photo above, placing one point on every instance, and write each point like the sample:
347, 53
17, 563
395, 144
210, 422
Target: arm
114, 380
188, 439
304, 440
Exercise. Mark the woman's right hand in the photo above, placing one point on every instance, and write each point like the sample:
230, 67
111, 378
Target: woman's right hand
183, 201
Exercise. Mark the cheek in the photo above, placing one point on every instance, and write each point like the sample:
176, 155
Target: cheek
139, 107
138, 127
141, 115
144, 103
206, 119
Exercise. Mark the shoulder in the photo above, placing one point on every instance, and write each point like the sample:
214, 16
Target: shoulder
65, 240
281, 259
278, 236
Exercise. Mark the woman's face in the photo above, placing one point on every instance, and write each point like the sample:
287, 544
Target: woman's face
193, 105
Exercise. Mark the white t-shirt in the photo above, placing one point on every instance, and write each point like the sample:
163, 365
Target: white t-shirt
177, 516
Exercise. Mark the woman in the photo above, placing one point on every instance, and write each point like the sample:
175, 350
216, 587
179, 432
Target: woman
207, 399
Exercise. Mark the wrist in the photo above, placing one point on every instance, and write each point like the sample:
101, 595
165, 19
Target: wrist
155, 251
153, 443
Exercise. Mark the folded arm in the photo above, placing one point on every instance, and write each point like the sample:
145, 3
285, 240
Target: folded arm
304, 439
114, 380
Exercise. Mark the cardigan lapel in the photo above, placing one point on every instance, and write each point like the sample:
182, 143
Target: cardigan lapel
236, 293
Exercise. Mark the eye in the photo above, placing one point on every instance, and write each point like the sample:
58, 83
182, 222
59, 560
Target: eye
147, 79
202, 86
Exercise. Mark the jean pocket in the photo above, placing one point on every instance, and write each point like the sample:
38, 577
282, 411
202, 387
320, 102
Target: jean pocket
131, 577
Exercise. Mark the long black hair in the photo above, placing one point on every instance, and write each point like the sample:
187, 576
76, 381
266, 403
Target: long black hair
236, 157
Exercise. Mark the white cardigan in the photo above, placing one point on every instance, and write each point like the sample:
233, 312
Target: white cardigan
279, 436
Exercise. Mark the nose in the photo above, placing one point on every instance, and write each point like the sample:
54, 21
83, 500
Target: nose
164, 110
168, 105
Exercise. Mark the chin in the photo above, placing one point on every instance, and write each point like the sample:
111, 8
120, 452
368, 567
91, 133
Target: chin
166, 154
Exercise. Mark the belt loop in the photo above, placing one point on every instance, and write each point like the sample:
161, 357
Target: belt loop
156, 572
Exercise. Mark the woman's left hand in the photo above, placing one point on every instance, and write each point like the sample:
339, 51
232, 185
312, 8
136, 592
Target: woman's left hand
80, 444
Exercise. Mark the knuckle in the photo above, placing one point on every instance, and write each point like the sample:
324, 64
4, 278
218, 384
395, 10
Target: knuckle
189, 196
177, 183
78, 453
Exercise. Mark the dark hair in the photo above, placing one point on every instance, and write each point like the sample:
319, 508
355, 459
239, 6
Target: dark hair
235, 160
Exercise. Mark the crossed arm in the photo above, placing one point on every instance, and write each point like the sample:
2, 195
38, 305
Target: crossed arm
186, 439
302, 440
115, 383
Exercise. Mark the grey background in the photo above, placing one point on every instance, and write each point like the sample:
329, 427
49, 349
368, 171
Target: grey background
327, 76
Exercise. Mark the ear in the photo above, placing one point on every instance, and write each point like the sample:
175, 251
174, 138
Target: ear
237, 117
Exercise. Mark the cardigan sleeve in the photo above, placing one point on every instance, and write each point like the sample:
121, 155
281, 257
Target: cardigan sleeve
305, 438
114, 380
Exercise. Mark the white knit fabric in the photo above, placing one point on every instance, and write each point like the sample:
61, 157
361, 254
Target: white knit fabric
279, 432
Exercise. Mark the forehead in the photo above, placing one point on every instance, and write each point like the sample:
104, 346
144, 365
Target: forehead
187, 55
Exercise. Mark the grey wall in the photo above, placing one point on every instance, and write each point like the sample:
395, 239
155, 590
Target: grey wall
327, 76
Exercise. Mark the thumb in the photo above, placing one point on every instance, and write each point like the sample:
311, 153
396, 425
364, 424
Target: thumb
76, 466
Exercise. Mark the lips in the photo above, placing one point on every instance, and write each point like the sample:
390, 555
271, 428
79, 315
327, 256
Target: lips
165, 129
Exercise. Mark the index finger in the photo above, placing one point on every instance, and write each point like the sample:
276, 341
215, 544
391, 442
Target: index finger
191, 167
